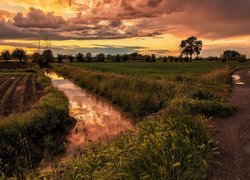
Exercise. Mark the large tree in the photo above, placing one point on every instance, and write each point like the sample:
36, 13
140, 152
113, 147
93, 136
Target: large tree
233, 56
59, 58
71, 58
6, 55
48, 55
191, 46
100, 57
20, 54
88, 57
80, 57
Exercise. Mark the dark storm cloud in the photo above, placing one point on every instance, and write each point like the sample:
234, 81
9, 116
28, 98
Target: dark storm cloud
74, 49
116, 19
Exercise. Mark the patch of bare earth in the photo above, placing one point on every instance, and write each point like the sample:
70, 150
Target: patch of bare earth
233, 135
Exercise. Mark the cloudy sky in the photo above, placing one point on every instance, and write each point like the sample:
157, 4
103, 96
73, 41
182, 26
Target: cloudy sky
125, 26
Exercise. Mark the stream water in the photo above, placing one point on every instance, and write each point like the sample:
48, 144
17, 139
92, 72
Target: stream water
97, 119
237, 79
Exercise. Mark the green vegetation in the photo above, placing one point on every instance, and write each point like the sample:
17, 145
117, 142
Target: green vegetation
170, 144
25, 139
158, 69
160, 148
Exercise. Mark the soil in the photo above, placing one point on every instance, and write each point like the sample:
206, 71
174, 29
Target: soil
22, 96
233, 135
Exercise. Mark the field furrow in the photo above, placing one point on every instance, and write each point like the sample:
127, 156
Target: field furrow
5, 85
22, 93
2, 80
8, 103
28, 95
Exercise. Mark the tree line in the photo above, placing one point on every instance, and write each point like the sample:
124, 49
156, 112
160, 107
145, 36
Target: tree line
188, 49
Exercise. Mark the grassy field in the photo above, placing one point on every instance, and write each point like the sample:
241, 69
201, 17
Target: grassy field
160, 68
173, 143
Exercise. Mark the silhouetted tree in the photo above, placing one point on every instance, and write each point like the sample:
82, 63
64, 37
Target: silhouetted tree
243, 59
47, 57
191, 46
153, 58
165, 59
147, 58
100, 57
60, 58
39, 59
80, 57
117, 58
231, 55
6, 55
134, 56
71, 58
20, 54
125, 57
88, 57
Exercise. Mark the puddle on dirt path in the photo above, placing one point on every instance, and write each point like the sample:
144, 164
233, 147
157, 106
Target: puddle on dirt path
96, 118
237, 79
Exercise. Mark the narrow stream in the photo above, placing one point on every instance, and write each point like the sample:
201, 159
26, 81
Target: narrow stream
97, 119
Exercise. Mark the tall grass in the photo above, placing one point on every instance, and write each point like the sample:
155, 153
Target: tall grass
160, 148
140, 96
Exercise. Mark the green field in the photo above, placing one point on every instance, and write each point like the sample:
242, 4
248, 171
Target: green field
142, 68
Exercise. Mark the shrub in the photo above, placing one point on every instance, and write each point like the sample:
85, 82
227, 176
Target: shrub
206, 107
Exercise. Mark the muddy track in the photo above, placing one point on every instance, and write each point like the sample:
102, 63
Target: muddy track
233, 134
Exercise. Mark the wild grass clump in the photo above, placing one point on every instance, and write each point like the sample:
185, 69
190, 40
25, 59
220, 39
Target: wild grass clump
206, 107
27, 138
165, 148
218, 76
203, 94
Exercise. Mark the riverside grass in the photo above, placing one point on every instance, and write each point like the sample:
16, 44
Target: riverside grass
171, 144
25, 139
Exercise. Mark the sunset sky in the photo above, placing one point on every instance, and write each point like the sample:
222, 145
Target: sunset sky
125, 26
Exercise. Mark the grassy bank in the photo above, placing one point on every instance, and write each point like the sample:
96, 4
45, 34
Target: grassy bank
171, 144
25, 139
144, 95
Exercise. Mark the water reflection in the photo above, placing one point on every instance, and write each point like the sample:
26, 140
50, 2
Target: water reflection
237, 79
96, 118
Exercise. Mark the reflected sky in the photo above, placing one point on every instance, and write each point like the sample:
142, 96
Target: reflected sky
237, 79
97, 119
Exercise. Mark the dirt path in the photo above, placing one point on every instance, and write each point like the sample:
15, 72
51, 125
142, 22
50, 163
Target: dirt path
233, 134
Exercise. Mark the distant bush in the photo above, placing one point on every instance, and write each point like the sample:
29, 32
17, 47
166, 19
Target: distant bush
206, 107
202, 94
